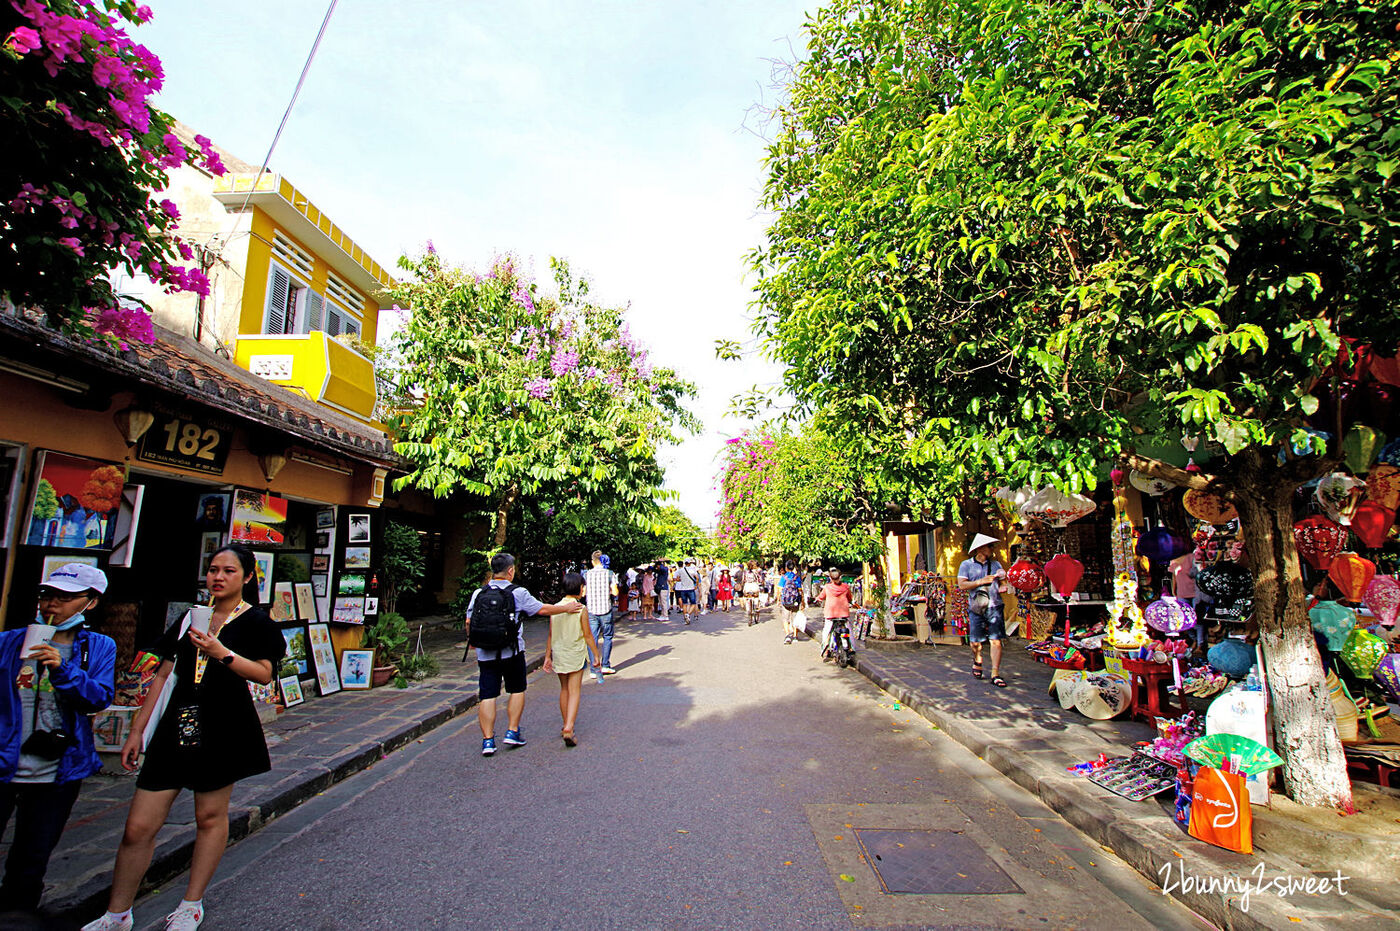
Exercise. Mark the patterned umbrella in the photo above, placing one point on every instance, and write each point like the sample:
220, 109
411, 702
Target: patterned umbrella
1231, 751
1350, 573
1319, 539
1383, 486
1209, 507
1334, 622
1363, 652
1170, 615
1382, 598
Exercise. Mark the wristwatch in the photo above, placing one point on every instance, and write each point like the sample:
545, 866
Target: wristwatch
227, 660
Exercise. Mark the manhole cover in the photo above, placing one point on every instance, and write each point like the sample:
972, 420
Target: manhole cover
932, 863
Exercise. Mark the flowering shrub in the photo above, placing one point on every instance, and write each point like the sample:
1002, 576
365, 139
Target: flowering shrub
84, 152
747, 470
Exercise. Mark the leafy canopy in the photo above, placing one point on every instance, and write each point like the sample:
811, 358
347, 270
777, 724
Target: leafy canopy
1015, 238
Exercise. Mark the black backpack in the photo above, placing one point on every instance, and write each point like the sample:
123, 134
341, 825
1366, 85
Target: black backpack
495, 624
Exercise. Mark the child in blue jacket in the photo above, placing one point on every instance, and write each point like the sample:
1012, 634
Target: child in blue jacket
46, 744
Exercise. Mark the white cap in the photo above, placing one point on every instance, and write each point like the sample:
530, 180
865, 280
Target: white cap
979, 541
77, 577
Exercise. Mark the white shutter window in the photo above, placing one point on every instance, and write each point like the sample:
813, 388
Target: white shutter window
332, 323
314, 305
277, 290
351, 328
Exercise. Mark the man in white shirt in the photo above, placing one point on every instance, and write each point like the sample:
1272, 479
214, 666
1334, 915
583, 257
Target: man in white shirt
686, 584
600, 586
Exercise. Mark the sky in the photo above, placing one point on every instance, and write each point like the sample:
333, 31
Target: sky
626, 137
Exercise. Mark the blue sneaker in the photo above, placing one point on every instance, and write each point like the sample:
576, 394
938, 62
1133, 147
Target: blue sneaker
488, 746
513, 739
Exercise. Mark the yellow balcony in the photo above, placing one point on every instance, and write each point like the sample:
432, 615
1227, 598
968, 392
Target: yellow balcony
315, 366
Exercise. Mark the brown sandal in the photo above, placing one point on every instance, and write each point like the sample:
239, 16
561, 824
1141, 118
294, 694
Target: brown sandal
569, 739
999, 682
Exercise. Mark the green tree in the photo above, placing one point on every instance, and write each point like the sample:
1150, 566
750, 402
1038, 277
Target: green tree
522, 396
402, 565
85, 153
679, 535
1021, 239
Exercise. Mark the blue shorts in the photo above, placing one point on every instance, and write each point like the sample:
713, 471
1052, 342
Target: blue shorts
685, 596
493, 673
984, 627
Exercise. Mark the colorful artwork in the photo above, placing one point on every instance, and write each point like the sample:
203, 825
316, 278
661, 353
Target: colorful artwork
296, 662
371, 606
323, 654
355, 666
349, 610
258, 518
111, 727
350, 583
306, 601
208, 545
357, 557
325, 518
291, 691
264, 694
320, 562
263, 564
75, 502
283, 606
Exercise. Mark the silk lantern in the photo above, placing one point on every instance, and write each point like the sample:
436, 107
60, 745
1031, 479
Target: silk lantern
1359, 448
1054, 507
1350, 573
1209, 507
1371, 523
1170, 615
1333, 621
1388, 674
1064, 573
1382, 598
1363, 652
1339, 494
1009, 502
1226, 582
1159, 546
1383, 486
1148, 484
1025, 576
1319, 539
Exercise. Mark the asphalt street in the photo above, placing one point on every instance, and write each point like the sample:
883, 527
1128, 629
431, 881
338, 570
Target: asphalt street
722, 780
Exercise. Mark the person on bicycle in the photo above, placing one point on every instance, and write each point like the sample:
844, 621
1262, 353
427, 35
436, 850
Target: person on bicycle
835, 598
753, 588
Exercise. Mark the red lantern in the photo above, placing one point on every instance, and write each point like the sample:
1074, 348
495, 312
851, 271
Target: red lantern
1064, 572
1350, 573
1319, 540
1025, 576
1371, 523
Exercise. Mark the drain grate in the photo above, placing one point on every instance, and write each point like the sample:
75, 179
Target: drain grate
932, 863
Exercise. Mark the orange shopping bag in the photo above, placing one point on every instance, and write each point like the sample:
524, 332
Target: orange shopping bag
1220, 812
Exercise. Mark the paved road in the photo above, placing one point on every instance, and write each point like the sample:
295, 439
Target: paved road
723, 780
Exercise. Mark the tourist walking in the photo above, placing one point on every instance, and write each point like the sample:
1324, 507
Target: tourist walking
571, 639
494, 628
663, 590
207, 738
49, 692
687, 583
725, 590
790, 600
980, 576
649, 593
601, 586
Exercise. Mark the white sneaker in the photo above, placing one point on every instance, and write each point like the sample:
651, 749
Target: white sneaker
186, 917
108, 923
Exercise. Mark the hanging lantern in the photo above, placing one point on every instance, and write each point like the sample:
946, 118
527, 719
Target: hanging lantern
1116, 476
1009, 502
1350, 573
1127, 629
1159, 546
1383, 486
1025, 576
1391, 454
1371, 523
1359, 448
1226, 582
1388, 674
1363, 652
1319, 540
1149, 484
1333, 621
1170, 615
1064, 573
1209, 507
1339, 494
1382, 598
1054, 507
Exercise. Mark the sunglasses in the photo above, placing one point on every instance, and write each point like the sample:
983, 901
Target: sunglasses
54, 594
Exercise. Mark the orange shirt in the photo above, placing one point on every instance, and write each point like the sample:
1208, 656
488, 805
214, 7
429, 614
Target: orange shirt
836, 599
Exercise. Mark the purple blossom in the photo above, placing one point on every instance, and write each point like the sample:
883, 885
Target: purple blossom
521, 296
23, 40
124, 323
432, 250
72, 243
539, 388
564, 361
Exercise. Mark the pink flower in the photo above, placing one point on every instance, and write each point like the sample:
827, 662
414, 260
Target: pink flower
72, 243
23, 40
170, 209
143, 14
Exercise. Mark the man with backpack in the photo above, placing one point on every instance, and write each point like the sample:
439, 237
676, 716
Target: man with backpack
790, 602
494, 629
686, 583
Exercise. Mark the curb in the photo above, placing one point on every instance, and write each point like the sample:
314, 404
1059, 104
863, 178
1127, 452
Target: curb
1143, 849
172, 856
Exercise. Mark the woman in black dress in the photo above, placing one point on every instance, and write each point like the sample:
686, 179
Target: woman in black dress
208, 738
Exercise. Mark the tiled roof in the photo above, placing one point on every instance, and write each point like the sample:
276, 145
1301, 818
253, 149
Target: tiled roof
177, 366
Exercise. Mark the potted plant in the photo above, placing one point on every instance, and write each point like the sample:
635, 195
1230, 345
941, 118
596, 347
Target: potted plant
388, 637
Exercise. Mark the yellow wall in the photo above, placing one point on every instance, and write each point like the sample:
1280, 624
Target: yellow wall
324, 370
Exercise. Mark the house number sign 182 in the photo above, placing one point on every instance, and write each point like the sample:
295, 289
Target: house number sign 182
185, 443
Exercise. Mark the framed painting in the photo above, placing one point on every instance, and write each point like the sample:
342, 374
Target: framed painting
358, 528
371, 606
320, 584
291, 691
350, 583
212, 512
357, 557
209, 543
297, 661
258, 518
284, 606
355, 666
306, 601
348, 610
263, 563
320, 562
75, 502
323, 655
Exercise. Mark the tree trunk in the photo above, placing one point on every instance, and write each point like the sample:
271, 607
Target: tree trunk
503, 511
1305, 724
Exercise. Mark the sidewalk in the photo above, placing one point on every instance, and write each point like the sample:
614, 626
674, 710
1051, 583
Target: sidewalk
1022, 731
313, 746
